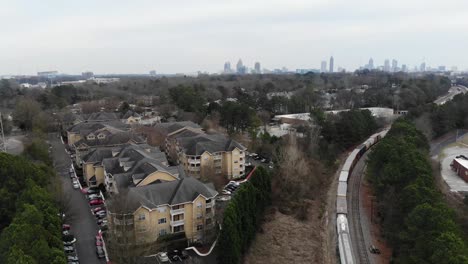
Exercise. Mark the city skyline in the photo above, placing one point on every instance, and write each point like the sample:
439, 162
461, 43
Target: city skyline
120, 37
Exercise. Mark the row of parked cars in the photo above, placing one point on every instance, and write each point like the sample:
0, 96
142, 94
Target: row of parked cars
230, 188
69, 241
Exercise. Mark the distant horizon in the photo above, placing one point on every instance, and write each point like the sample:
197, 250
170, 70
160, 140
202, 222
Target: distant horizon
120, 37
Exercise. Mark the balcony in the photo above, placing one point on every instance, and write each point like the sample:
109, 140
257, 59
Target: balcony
194, 161
177, 211
177, 223
210, 204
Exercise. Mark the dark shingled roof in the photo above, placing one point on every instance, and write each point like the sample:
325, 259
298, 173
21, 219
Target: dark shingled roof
197, 145
101, 116
130, 113
173, 192
173, 126
111, 139
84, 128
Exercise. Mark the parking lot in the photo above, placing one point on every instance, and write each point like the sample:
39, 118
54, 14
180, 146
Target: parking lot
78, 214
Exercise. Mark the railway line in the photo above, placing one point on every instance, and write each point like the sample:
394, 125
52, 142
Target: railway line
351, 241
357, 235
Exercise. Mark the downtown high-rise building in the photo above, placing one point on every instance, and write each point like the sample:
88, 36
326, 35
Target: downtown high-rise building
422, 68
257, 68
323, 66
386, 66
331, 64
241, 69
404, 68
227, 67
394, 65
370, 65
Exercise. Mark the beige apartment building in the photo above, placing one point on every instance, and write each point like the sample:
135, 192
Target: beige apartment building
203, 154
184, 207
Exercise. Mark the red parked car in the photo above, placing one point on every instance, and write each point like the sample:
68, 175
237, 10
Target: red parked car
98, 240
96, 202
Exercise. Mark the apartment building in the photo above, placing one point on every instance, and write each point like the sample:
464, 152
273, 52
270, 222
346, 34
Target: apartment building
203, 154
122, 165
181, 207
93, 130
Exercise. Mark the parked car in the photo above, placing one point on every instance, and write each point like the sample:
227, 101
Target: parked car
98, 241
94, 196
374, 250
66, 227
69, 249
226, 192
97, 210
72, 258
234, 183
100, 252
102, 222
96, 202
68, 239
162, 257
101, 216
248, 164
178, 255
76, 184
90, 190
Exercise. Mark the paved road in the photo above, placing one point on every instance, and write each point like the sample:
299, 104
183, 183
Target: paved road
454, 90
358, 223
83, 224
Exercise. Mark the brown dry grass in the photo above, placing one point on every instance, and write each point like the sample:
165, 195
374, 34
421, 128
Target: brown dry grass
288, 240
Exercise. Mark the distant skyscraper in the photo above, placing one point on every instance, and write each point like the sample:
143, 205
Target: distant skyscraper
370, 66
227, 67
404, 68
87, 75
394, 65
386, 67
153, 73
240, 67
423, 67
323, 66
331, 64
258, 69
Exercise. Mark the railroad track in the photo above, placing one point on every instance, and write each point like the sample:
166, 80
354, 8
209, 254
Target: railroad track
357, 234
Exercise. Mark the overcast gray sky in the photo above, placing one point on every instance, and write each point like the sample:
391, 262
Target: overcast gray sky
114, 36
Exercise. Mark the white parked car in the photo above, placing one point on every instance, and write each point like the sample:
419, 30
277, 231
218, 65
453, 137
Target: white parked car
162, 257
76, 184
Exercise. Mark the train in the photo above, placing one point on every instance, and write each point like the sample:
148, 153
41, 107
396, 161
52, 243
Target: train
345, 246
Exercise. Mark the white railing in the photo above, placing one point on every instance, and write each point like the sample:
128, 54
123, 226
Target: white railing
177, 223
177, 211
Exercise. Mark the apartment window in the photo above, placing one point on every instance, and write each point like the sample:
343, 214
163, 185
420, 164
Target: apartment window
199, 227
178, 217
162, 209
199, 204
141, 229
175, 207
241, 159
236, 161
241, 152
141, 217
179, 229
199, 216
162, 232
162, 221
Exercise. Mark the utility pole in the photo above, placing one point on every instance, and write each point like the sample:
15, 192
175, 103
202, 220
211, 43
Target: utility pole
2, 136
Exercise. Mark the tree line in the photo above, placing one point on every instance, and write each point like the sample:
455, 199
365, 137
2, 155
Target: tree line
29, 218
417, 223
243, 216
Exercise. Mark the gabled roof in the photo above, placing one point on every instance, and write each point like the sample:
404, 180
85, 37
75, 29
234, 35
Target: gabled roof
101, 116
130, 113
84, 128
111, 139
174, 192
174, 126
197, 145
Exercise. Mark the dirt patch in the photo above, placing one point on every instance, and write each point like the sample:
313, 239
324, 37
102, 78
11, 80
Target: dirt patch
288, 240
369, 204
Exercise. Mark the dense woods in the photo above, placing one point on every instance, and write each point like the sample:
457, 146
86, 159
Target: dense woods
29, 219
243, 216
417, 223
